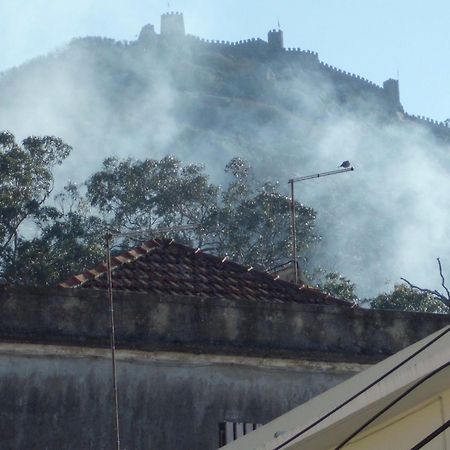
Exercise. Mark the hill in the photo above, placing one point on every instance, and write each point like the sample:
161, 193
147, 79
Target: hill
283, 110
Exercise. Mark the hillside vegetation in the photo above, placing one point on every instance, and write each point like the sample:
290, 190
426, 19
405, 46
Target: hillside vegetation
284, 115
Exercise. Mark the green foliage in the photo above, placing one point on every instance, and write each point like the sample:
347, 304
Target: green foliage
25, 184
68, 242
404, 298
249, 222
338, 286
254, 221
151, 195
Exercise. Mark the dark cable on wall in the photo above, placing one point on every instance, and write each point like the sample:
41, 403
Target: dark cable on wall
393, 402
365, 389
431, 436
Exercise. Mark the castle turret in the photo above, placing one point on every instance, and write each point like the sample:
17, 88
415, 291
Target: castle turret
172, 25
275, 40
392, 92
147, 33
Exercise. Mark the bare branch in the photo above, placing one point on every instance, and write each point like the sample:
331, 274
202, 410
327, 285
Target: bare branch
443, 279
434, 293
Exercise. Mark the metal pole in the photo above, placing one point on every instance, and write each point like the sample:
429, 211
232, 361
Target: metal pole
108, 238
322, 174
292, 181
294, 237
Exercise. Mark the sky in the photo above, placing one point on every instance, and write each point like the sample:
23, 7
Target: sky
376, 39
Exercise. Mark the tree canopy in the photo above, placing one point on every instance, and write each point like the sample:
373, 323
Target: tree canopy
405, 298
46, 239
26, 183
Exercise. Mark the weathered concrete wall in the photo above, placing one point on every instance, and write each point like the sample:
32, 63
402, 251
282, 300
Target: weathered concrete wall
210, 325
184, 364
63, 402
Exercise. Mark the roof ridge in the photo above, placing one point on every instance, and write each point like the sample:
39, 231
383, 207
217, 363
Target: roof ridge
271, 281
116, 261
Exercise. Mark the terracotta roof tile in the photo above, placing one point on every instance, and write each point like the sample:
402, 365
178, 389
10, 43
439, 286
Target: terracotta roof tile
167, 268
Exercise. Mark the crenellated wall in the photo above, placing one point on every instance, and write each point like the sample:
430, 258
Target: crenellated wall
217, 43
342, 74
428, 121
172, 25
349, 84
275, 40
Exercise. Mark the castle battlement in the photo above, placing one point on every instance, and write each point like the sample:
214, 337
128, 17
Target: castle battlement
221, 43
172, 25
172, 28
339, 72
428, 120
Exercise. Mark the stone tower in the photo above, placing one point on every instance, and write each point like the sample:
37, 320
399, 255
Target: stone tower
392, 93
172, 25
147, 33
392, 90
275, 40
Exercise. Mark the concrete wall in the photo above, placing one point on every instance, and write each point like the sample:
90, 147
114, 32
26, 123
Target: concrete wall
184, 364
208, 325
61, 398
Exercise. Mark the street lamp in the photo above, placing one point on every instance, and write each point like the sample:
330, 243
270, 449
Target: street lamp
346, 167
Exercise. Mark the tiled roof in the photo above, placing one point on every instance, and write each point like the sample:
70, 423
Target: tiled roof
164, 267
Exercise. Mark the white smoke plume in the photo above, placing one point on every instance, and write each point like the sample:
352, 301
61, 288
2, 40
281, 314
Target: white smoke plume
387, 219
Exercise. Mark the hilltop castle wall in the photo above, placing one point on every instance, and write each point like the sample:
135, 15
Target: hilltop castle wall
172, 26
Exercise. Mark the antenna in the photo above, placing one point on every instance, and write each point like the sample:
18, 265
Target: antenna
347, 167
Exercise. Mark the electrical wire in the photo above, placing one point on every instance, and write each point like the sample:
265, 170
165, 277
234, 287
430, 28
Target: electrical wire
392, 403
363, 390
431, 436
108, 238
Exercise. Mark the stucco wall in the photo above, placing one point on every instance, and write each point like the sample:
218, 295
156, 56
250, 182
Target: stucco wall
184, 364
54, 401
216, 326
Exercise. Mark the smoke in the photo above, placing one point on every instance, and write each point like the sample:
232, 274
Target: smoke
387, 219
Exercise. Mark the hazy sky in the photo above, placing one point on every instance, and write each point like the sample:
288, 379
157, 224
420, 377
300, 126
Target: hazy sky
375, 39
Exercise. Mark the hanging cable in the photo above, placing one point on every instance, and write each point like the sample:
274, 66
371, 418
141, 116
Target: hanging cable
363, 390
108, 238
393, 402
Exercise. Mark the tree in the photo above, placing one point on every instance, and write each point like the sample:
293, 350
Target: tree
340, 287
25, 184
443, 298
150, 195
405, 298
248, 222
68, 241
253, 221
